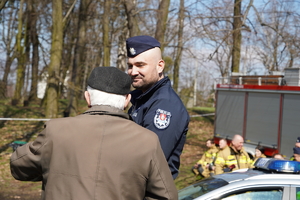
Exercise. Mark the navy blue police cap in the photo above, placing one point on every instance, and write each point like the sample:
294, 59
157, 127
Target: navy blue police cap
298, 140
110, 80
138, 44
296, 150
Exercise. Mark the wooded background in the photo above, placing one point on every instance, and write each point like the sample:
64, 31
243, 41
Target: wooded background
60, 41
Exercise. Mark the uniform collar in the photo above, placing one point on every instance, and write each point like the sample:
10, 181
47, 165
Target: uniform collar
138, 94
234, 149
106, 110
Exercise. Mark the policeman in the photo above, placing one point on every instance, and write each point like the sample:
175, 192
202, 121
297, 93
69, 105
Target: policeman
155, 105
296, 156
233, 158
205, 165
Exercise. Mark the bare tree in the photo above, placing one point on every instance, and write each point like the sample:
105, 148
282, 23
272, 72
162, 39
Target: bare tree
7, 35
162, 18
179, 46
2, 4
237, 36
132, 23
55, 60
33, 34
21, 57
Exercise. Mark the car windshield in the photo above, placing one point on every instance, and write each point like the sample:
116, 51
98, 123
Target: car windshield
201, 188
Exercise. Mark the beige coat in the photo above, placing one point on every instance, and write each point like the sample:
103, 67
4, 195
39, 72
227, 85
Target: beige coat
97, 155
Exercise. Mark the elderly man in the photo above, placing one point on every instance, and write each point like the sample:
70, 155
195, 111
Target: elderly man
233, 158
155, 105
100, 154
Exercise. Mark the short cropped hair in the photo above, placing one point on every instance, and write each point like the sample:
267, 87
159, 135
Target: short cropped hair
98, 97
211, 141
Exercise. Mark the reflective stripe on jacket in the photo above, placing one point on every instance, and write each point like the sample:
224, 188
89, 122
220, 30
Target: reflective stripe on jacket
208, 156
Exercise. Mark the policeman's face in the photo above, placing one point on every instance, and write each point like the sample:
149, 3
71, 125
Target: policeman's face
146, 69
297, 144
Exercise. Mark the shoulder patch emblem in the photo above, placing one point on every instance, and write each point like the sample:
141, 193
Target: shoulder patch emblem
162, 119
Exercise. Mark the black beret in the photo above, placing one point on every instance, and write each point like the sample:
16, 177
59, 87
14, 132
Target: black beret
296, 150
138, 44
110, 80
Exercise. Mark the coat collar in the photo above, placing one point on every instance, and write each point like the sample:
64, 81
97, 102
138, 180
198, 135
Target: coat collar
106, 110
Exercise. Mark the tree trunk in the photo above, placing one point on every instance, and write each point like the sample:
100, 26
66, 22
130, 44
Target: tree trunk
105, 29
161, 25
130, 10
179, 46
35, 52
3, 86
79, 61
2, 4
55, 60
122, 52
21, 59
237, 36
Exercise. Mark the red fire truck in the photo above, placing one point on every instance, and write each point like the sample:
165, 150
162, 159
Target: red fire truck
265, 110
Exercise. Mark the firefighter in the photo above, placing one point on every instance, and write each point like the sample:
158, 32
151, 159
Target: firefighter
204, 166
233, 158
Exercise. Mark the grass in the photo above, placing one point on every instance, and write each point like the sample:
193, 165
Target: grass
200, 129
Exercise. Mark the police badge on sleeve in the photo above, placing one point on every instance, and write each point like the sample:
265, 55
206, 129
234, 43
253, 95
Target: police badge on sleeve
162, 119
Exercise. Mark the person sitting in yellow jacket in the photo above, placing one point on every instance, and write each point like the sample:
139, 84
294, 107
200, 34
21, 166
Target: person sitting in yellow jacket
204, 166
259, 153
233, 157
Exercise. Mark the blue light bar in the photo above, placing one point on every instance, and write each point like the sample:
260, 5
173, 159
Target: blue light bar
278, 165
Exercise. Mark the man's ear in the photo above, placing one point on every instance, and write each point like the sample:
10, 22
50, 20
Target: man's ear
127, 100
87, 98
161, 66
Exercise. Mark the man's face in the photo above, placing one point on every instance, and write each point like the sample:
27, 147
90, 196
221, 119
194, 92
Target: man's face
208, 144
145, 69
297, 144
222, 144
297, 157
238, 143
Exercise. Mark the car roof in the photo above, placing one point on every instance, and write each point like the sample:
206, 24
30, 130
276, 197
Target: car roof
234, 176
246, 179
267, 172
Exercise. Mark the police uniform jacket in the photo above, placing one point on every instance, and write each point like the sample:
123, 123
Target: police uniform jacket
230, 157
208, 156
161, 110
100, 154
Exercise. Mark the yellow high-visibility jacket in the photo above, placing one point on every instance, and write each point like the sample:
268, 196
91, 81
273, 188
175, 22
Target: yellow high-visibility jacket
229, 156
208, 156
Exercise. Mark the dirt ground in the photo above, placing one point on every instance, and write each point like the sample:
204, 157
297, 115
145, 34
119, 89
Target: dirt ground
199, 131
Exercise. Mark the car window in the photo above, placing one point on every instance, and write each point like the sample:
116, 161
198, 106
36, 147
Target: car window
201, 188
261, 194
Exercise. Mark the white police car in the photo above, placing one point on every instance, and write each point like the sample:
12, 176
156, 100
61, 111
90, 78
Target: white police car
271, 179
